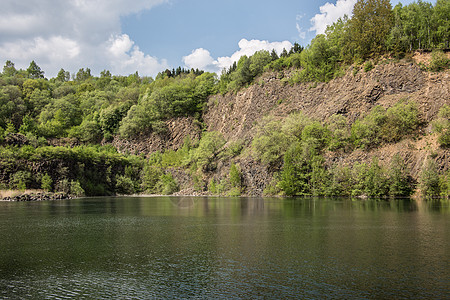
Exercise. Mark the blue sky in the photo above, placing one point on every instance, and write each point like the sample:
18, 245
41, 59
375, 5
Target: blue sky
148, 36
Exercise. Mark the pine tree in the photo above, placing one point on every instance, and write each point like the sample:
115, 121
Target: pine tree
34, 71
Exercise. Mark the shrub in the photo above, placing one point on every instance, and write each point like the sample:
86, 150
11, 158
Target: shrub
124, 185
209, 145
439, 61
63, 186
399, 178
429, 179
76, 189
46, 183
235, 176
340, 133
150, 176
401, 119
21, 180
270, 142
368, 66
295, 175
365, 132
166, 184
442, 126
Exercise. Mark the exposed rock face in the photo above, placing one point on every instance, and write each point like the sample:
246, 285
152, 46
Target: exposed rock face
235, 115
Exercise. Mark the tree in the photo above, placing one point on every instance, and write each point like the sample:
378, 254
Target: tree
297, 48
9, 69
274, 55
371, 23
83, 75
441, 21
34, 71
63, 75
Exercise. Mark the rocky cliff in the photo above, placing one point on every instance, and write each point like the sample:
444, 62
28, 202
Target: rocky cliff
235, 116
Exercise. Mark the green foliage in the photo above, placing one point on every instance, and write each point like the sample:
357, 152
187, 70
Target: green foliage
207, 150
401, 119
270, 142
46, 182
124, 185
303, 172
21, 180
216, 188
369, 27
234, 148
169, 97
166, 184
340, 133
442, 126
429, 179
388, 126
319, 61
368, 66
75, 189
400, 180
419, 25
444, 185
235, 176
34, 71
439, 61
150, 177
366, 132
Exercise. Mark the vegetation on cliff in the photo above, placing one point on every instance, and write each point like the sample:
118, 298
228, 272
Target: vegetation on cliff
51, 131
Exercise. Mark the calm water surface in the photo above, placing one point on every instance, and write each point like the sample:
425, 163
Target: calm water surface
181, 247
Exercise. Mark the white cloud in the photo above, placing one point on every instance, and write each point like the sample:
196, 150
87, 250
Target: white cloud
73, 34
199, 58
202, 59
301, 32
330, 13
126, 58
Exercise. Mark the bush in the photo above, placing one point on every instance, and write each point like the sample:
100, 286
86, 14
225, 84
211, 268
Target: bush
76, 189
235, 176
21, 180
340, 133
46, 183
368, 66
442, 126
401, 119
166, 184
124, 185
365, 132
150, 176
439, 61
399, 178
208, 147
429, 179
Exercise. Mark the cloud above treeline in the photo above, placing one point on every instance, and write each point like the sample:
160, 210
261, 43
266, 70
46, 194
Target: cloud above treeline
201, 58
330, 13
73, 34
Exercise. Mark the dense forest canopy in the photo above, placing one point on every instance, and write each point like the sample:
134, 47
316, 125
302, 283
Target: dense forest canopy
92, 109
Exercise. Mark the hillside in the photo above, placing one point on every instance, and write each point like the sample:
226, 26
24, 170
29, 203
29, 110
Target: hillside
236, 116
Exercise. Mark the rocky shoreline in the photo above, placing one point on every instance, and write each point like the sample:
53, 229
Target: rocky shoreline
38, 197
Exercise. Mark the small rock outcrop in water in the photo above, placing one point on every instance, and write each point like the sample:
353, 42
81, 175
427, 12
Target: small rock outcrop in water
38, 197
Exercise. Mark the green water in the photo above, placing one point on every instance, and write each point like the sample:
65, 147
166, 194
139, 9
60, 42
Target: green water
181, 247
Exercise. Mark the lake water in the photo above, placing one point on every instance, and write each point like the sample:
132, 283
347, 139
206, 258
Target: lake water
185, 247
